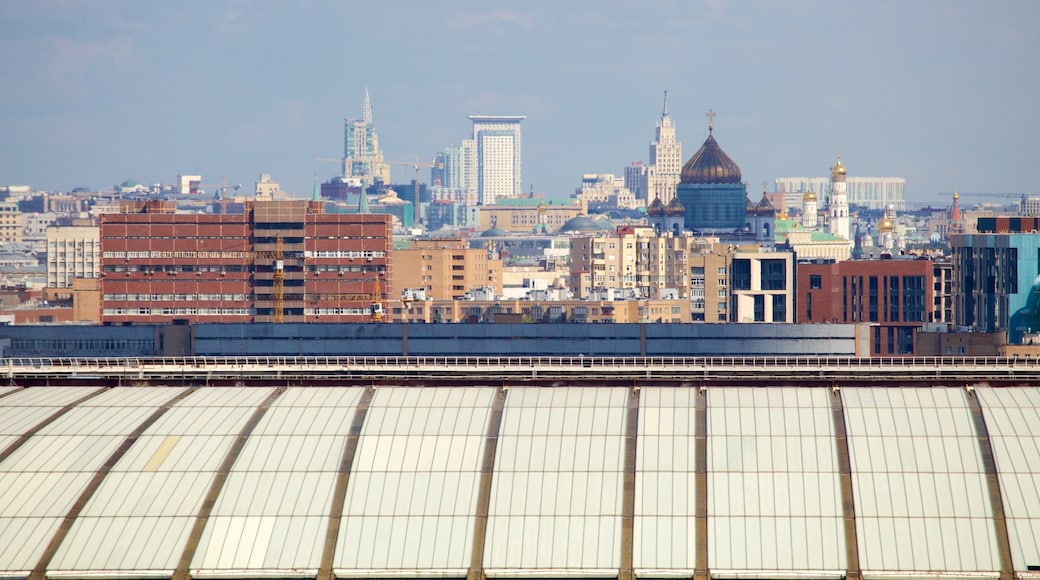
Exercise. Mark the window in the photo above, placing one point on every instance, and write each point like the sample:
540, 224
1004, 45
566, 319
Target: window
774, 274
741, 274
815, 281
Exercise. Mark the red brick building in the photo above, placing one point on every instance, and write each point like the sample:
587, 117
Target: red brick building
279, 261
897, 295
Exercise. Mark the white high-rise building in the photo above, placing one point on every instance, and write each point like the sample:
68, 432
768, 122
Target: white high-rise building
665, 161
838, 203
498, 156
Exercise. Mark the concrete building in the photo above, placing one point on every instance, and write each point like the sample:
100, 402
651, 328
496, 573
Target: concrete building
281, 261
996, 274
72, 252
870, 192
898, 298
498, 141
445, 269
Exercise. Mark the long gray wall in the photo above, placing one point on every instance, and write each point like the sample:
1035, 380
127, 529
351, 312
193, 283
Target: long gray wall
392, 339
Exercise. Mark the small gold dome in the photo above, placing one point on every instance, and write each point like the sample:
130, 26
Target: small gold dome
838, 168
956, 196
809, 196
885, 225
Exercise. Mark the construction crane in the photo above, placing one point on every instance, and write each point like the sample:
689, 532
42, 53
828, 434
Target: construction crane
416, 164
375, 298
279, 280
223, 191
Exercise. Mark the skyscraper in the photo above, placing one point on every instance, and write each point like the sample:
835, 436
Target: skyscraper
665, 160
362, 158
498, 156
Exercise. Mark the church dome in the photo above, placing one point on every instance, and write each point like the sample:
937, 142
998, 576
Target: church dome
675, 208
809, 196
494, 233
580, 224
749, 207
710, 164
764, 208
656, 208
885, 225
838, 168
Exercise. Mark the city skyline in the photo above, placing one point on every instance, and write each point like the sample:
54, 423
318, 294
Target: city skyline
937, 92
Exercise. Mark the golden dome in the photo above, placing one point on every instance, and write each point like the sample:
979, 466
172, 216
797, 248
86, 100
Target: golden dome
656, 208
710, 165
675, 208
838, 168
809, 196
956, 196
885, 225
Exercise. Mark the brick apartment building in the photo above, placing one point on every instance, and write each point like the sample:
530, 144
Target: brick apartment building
445, 269
279, 261
896, 296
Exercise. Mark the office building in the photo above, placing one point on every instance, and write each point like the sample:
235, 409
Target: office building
995, 276
497, 141
897, 297
280, 261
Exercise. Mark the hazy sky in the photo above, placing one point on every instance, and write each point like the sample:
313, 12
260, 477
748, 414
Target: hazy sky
943, 93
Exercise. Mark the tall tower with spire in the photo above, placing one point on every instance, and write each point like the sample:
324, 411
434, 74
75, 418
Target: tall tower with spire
665, 160
838, 204
362, 159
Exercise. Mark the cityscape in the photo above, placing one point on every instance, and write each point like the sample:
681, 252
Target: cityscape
529, 291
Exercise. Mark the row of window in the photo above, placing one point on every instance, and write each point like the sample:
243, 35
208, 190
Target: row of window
183, 255
176, 311
172, 297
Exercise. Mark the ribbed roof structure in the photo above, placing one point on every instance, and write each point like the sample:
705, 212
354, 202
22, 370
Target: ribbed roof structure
710, 164
655, 480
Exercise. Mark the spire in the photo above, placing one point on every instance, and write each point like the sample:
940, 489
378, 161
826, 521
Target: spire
665, 113
316, 195
362, 206
366, 108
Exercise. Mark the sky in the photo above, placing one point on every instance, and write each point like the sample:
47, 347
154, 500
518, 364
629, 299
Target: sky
945, 93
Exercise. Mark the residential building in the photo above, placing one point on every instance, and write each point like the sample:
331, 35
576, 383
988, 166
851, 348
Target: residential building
445, 269
897, 296
12, 223
72, 252
498, 141
279, 261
